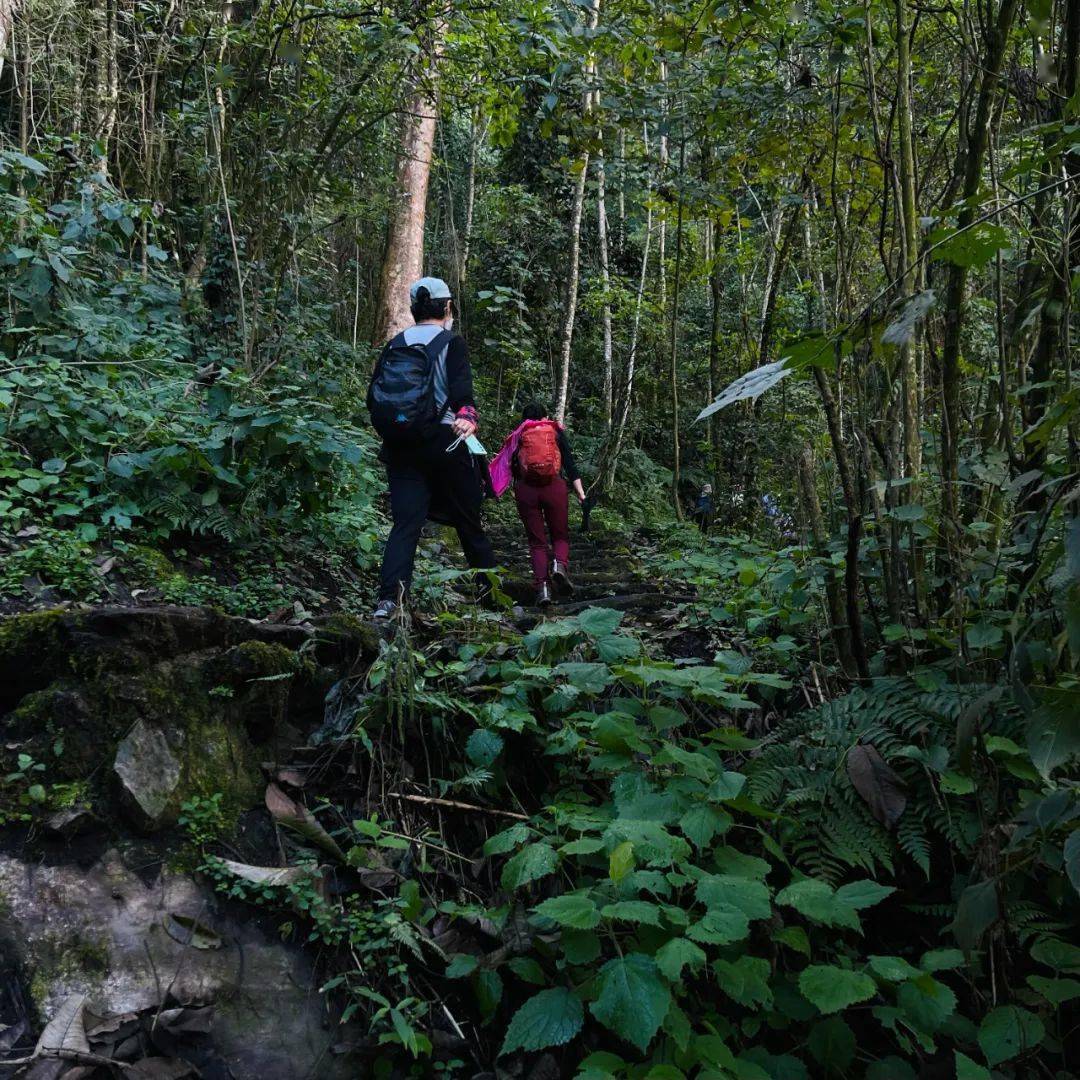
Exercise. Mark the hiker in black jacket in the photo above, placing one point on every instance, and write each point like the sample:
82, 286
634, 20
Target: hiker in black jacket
421, 402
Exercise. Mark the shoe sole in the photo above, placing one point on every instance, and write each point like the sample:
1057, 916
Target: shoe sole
562, 583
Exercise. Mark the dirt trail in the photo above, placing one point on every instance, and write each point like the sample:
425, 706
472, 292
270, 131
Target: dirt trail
606, 572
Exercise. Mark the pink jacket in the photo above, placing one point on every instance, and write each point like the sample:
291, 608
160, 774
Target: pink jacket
502, 466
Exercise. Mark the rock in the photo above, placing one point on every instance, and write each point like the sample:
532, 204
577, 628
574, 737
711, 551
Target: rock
149, 775
102, 932
71, 821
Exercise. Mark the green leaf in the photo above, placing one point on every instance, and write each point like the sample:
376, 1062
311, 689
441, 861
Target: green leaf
588, 678
599, 622
621, 861
729, 891
483, 747
461, 965
617, 648
677, 954
702, 822
1057, 954
794, 937
575, 910
863, 894
488, 988
585, 845
745, 980
893, 968
926, 1002
1056, 991
54, 466
507, 840
524, 967
551, 1018
1008, 1031
721, 925
1053, 735
631, 999
832, 989
976, 911
635, 911
832, 1044
1071, 853
529, 864
966, 1069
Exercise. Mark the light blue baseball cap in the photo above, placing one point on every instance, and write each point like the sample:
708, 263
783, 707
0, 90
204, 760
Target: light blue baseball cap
436, 287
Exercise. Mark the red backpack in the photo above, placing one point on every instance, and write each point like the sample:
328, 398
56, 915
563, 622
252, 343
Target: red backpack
539, 460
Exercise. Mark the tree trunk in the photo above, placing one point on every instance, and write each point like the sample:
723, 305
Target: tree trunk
475, 139
605, 275
969, 165
566, 334
909, 246
715, 295
404, 259
674, 342
7, 23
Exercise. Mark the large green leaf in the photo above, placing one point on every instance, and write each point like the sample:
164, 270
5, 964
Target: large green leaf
727, 890
1053, 735
677, 954
745, 980
635, 911
598, 622
551, 1018
1008, 1031
832, 989
631, 999
529, 864
832, 1044
575, 910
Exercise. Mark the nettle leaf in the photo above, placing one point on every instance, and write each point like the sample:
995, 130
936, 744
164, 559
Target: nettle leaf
599, 622
551, 1018
1007, 1032
832, 989
483, 747
529, 864
635, 911
617, 648
1053, 735
720, 926
507, 840
863, 894
818, 902
893, 968
927, 1002
1057, 954
727, 890
575, 910
632, 1001
621, 861
1056, 991
832, 1044
966, 1069
588, 678
745, 980
702, 822
677, 954
1071, 854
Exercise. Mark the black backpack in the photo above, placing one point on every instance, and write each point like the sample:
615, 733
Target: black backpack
401, 395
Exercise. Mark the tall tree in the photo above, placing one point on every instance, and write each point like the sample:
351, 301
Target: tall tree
403, 262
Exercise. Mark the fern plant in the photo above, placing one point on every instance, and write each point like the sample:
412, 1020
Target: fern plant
803, 774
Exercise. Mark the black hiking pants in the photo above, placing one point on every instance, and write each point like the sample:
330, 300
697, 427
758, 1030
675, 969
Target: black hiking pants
427, 480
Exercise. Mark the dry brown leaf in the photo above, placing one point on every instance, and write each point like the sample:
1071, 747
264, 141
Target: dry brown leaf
880, 787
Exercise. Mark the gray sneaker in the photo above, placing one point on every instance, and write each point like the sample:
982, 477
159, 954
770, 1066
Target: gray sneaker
561, 579
385, 612
543, 595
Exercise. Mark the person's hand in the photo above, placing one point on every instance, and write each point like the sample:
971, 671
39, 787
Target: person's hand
463, 428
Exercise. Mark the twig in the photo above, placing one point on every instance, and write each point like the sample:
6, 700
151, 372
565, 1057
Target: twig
77, 1056
432, 801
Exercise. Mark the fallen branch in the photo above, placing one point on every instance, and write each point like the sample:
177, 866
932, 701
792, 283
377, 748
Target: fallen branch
431, 801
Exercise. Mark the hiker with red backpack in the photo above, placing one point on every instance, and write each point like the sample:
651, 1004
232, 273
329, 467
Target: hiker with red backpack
421, 403
537, 458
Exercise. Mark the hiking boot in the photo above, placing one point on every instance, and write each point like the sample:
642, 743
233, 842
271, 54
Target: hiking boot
561, 578
386, 612
543, 595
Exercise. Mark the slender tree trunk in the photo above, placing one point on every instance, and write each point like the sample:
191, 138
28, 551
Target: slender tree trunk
969, 165
715, 296
605, 275
475, 139
609, 455
1053, 322
7, 23
676, 466
566, 333
404, 259
909, 246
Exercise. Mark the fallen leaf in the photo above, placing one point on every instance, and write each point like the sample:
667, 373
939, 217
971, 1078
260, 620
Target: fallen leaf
299, 818
881, 788
187, 1021
67, 1029
267, 875
191, 932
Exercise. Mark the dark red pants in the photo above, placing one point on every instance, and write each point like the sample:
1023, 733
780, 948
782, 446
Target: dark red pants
544, 514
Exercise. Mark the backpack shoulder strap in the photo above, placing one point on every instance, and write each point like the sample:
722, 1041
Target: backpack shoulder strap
435, 347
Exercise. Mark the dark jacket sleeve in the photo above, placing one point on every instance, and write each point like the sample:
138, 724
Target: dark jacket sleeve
459, 374
569, 466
